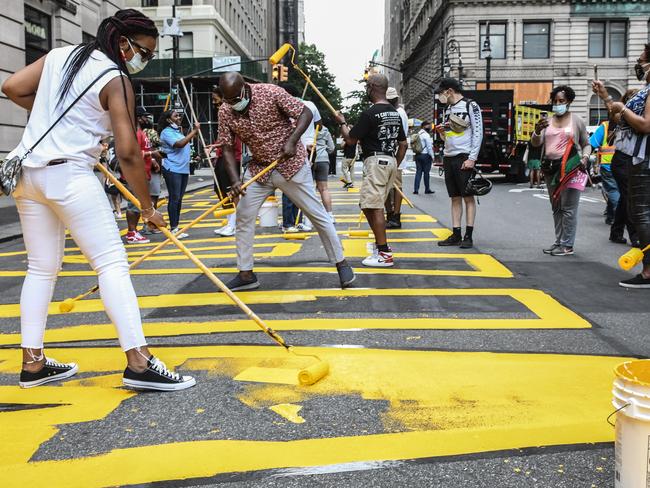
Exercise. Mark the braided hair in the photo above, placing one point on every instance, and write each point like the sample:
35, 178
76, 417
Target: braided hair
127, 22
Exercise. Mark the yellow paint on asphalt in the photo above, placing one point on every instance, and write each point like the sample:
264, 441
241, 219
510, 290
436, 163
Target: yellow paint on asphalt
437, 404
288, 411
282, 376
551, 314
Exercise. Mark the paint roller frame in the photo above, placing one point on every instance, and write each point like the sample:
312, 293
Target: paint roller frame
306, 376
67, 305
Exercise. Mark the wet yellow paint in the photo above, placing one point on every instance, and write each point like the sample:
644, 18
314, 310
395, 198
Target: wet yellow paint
289, 412
283, 376
438, 404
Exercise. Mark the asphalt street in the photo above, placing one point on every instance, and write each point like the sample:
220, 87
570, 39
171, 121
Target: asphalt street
483, 368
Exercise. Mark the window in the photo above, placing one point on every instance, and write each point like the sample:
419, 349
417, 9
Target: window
598, 110
537, 40
149, 3
37, 34
186, 45
497, 39
608, 39
87, 38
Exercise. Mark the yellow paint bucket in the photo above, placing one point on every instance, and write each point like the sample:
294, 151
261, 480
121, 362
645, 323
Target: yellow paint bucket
632, 402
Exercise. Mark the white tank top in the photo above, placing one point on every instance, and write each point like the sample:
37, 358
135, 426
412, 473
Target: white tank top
77, 136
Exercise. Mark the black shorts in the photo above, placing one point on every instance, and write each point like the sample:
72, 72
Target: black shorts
319, 170
455, 178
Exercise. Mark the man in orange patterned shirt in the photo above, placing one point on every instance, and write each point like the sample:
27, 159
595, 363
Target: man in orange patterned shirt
270, 122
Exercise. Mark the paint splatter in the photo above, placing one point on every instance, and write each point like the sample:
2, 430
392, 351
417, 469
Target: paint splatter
289, 412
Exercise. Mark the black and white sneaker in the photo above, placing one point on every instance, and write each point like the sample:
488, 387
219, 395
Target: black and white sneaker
637, 282
156, 377
52, 371
452, 240
237, 284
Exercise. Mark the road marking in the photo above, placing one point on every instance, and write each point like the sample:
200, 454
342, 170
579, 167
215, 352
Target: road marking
478, 402
551, 314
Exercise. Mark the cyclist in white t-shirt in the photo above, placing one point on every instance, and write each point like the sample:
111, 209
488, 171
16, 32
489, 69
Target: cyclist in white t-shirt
58, 189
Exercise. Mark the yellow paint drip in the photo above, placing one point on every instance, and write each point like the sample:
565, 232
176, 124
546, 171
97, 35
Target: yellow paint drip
289, 412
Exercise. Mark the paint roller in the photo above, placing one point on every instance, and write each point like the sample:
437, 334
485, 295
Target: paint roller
307, 376
631, 258
68, 304
358, 232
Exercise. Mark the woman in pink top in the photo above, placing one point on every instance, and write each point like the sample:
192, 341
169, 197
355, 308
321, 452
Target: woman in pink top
554, 135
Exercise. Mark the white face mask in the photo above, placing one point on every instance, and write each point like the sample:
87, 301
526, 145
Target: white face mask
560, 110
136, 63
174, 126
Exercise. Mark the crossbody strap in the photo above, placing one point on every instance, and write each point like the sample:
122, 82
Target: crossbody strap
107, 70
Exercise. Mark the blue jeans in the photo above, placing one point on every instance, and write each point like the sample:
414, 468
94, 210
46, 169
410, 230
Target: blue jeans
176, 185
289, 212
423, 164
611, 189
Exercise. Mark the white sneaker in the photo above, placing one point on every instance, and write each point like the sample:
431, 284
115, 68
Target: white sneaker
136, 238
379, 259
225, 231
178, 234
290, 230
304, 228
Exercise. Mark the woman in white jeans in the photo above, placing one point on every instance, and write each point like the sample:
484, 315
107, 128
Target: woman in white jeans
58, 189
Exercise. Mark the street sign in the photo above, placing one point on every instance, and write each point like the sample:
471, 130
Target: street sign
226, 63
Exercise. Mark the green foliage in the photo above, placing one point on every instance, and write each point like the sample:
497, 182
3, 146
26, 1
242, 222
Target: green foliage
312, 62
357, 102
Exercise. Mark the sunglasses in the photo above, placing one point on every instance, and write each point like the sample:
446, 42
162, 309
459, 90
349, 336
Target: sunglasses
147, 54
235, 100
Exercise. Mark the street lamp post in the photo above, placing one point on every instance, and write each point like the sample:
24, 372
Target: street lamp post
487, 52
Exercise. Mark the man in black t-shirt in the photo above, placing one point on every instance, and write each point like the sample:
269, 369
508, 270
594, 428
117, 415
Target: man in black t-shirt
383, 146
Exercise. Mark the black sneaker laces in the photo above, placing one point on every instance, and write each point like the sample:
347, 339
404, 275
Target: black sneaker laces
159, 367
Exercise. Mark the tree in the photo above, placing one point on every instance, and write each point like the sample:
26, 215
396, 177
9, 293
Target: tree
357, 101
312, 62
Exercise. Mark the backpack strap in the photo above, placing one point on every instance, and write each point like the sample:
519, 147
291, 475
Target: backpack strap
81, 95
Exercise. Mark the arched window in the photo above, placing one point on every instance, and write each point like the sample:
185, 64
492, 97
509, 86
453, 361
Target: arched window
597, 108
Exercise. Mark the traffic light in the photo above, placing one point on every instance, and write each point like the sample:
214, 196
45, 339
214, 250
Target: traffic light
284, 73
275, 74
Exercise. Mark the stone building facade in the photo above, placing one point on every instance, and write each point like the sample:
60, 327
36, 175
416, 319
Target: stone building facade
535, 45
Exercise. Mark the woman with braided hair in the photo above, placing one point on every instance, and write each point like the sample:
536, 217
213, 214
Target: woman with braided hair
77, 96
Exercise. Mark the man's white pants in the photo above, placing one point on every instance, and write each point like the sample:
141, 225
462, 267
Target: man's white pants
300, 189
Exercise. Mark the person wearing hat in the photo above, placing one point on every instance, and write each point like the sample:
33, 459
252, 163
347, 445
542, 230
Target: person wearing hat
462, 131
394, 201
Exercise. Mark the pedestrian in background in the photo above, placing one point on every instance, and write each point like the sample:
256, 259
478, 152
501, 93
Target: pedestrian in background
393, 204
462, 131
176, 163
423, 157
156, 170
58, 189
324, 147
534, 165
602, 141
633, 145
560, 137
347, 165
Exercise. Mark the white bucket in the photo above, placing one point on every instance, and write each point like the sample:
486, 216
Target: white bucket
632, 400
269, 214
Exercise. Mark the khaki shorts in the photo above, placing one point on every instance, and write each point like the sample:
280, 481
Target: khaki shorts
379, 174
398, 178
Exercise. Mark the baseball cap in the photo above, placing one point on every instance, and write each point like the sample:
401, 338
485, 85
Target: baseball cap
447, 83
391, 93
140, 111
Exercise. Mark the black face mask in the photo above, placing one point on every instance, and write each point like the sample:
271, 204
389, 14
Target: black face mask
640, 72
